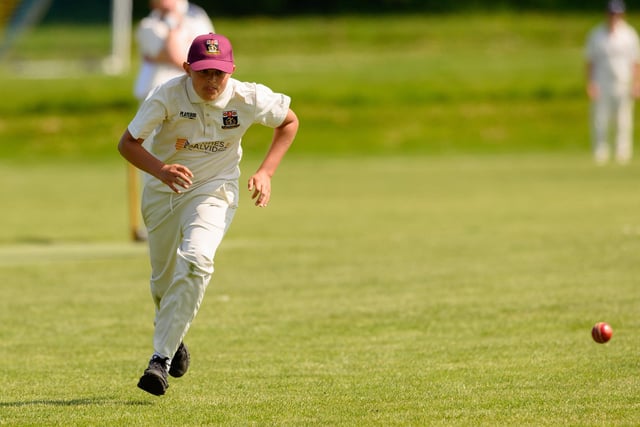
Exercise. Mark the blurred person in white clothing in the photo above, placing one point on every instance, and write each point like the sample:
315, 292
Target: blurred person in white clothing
613, 73
163, 38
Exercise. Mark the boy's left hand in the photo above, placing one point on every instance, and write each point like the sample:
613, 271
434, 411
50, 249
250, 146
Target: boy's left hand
260, 184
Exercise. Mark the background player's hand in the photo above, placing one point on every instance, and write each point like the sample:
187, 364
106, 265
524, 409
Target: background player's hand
175, 176
635, 90
593, 91
260, 184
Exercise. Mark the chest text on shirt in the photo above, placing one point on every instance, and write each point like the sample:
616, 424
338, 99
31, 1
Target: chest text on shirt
206, 147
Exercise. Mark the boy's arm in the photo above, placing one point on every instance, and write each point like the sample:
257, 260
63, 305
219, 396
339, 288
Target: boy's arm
592, 86
174, 175
260, 182
173, 51
636, 80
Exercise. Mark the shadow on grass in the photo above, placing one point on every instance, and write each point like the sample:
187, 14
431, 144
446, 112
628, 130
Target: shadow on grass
74, 402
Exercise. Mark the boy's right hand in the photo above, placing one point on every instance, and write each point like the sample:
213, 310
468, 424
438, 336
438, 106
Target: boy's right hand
175, 176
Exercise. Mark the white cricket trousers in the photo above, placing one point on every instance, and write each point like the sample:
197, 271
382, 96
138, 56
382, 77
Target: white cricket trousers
184, 232
617, 109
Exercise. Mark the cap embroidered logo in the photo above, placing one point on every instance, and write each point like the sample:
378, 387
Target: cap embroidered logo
213, 47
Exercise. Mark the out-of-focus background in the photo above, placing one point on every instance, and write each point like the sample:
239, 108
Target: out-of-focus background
367, 78
404, 76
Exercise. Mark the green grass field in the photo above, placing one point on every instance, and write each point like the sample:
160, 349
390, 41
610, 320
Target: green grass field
434, 254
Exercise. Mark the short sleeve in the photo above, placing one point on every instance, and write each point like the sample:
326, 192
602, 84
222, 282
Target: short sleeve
588, 49
150, 37
150, 115
271, 108
636, 47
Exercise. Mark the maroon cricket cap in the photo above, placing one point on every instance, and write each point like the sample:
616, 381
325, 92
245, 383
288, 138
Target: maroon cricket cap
211, 51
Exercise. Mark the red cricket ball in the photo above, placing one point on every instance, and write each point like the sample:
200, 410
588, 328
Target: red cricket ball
601, 332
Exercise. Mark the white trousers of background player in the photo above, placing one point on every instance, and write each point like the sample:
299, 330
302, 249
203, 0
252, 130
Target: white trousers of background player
612, 110
185, 231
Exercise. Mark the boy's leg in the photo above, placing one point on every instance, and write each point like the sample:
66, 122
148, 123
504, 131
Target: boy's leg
600, 117
163, 239
205, 220
624, 128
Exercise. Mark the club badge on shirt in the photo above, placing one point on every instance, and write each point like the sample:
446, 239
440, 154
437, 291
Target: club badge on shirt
230, 119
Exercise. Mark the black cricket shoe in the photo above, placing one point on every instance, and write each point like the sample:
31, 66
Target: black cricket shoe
180, 362
154, 379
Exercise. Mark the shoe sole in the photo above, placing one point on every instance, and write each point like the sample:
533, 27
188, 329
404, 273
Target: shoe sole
153, 384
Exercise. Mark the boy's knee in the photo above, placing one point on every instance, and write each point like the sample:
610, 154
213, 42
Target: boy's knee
196, 264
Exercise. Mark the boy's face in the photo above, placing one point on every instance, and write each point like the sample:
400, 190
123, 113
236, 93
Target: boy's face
208, 84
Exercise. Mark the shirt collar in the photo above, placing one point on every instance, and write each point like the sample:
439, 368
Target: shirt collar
219, 102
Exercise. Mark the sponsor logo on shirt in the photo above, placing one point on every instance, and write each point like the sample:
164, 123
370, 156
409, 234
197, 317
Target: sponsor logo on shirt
230, 119
205, 147
188, 115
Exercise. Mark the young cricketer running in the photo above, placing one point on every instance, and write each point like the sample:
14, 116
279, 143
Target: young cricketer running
194, 125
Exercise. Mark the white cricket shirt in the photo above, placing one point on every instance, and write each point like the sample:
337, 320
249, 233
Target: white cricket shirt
180, 127
613, 55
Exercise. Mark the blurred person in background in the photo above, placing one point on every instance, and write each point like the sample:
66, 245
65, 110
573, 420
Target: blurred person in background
613, 81
163, 39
